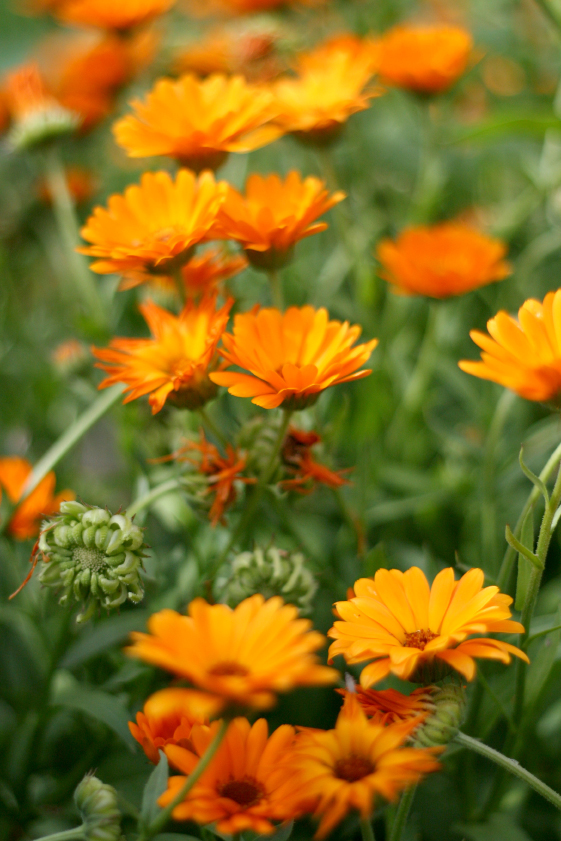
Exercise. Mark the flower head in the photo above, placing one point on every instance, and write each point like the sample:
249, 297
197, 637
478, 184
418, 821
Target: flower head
25, 520
523, 354
388, 706
244, 655
204, 8
298, 458
105, 14
153, 226
37, 116
425, 59
199, 121
201, 275
243, 787
420, 633
173, 364
442, 260
274, 214
291, 357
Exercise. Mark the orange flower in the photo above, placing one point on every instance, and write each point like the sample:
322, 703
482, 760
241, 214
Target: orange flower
201, 275
425, 59
417, 632
35, 112
244, 655
199, 121
25, 521
174, 364
247, 49
168, 718
388, 706
274, 215
297, 456
243, 787
525, 354
204, 8
105, 14
292, 357
81, 185
153, 226
442, 260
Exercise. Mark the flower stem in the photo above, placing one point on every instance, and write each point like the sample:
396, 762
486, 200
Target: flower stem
510, 765
367, 830
405, 803
276, 289
179, 286
211, 426
488, 494
153, 494
66, 835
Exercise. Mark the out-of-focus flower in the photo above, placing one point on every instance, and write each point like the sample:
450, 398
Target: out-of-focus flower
69, 357
525, 354
274, 215
297, 456
97, 805
419, 633
106, 14
442, 260
174, 364
199, 121
503, 76
81, 185
424, 59
388, 706
243, 787
245, 655
4, 111
24, 521
168, 718
204, 8
153, 226
201, 275
292, 357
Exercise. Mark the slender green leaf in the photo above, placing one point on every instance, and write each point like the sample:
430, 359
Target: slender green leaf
154, 788
542, 664
105, 635
524, 565
498, 828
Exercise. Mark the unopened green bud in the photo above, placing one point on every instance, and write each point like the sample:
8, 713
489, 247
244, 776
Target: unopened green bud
257, 438
447, 704
93, 556
97, 804
40, 126
271, 572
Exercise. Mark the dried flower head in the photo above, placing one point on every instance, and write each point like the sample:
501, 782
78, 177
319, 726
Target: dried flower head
306, 471
25, 519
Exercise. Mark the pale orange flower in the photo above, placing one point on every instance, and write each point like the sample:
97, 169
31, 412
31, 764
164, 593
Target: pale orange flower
106, 14
291, 357
442, 260
154, 225
246, 49
523, 354
297, 456
26, 519
245, 655
174, 364
388, 706
199, 121
68, 357
425, 59
419, 633
201, 275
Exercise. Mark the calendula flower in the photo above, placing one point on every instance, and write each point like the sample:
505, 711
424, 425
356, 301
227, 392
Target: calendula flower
274, 215
245, 655
174, 364
291, 357
199, 121
348, 768
25, 520
36, 115
419, 633
243, 787
201, 275
104, 14
523, 354
168, 717
425, 59
153, 226
204, 8
442, 260
388, 706
298, 458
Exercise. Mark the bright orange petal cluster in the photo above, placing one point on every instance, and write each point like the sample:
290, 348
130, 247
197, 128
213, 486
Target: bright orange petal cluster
244, 655
201, 275
199, 121
442, 260
26, 93
25, 521
291, 357
106, 14
412, 630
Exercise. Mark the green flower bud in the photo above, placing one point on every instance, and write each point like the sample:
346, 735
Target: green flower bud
257, 437
271, 572
97, 804
40, 126
92, 556
447, 704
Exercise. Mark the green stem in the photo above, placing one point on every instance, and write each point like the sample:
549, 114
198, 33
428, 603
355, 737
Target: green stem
510, 765
550, 14
488, 496
405, 803
153, 494
177, 275
76, 832
275, 284
352, 521
211, 426
367, 830
423, 193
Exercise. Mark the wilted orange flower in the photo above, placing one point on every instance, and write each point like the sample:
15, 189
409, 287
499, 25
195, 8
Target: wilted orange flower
106, 14
388, 706
245, 655
348, 768
525, 354
442, 260
297, 456
201, 275
274, 215
246, 49
168, 718
80, 181
174, 364
199, 121
417, 632
25, 521
425, 59
292, 357
154, 225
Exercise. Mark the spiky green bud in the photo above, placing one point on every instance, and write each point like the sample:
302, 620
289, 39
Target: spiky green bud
257, 438
92, 556
447, 704
97, 804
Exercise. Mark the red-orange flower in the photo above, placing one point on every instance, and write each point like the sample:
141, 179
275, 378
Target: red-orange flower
25, 521
201, 275
387, 706
106, 14
298, 458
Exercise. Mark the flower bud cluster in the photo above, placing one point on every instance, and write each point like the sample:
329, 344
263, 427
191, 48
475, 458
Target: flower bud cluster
97, 804
447, 707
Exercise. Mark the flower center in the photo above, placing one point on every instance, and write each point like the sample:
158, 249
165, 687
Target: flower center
353, 768
89, 558
243, 792
418, 639
229, 669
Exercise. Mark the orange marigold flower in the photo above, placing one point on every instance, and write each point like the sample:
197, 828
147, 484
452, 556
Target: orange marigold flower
245, 655
80, 181
199, 121
419, 633
292, 357
174, 364
425, 59
201, 275
388, 706
243, 787
106, 14
525, 354
168, 718
154, 225
274, 215
297, 456
442, 260
25, 521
